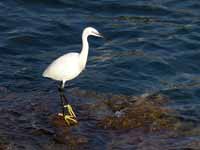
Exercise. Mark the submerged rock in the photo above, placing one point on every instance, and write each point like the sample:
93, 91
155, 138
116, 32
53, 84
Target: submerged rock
4, 144
194, 145
64, 134
139, 112
29, 124
147, 111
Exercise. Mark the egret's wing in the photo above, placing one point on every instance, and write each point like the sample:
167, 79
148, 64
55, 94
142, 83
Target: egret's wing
63, 67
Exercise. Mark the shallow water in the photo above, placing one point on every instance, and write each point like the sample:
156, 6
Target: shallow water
149, 47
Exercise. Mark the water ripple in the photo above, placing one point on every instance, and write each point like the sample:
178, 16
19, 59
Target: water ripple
149, 47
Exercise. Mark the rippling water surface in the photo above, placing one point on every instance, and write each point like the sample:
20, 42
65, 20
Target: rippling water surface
150, 46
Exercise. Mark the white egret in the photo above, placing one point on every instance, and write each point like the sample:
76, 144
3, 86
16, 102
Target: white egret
68, 67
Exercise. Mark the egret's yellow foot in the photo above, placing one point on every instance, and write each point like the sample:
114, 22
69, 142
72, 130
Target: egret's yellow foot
71, 118
70, 110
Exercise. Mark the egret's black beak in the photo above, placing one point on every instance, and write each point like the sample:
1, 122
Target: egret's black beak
100, 35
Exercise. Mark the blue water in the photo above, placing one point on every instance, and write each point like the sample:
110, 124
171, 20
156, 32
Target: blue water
149, 46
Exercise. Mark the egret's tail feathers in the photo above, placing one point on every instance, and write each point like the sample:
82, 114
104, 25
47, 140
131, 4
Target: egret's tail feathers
45, 74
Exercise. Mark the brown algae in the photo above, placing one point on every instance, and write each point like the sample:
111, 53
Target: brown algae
142, 112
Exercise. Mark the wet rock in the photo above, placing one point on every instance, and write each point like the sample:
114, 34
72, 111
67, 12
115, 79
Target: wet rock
4, 144
194, 145
94, 111
118, 102
58, 121
64, 134
146, 112
30, 125
70, 139
42, 131
187, 129
119, 114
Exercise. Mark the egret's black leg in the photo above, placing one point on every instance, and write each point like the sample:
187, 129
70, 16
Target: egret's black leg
64, 99
60, 89
65, 104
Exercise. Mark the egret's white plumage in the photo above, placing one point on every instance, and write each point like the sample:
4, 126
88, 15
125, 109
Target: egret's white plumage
70, 65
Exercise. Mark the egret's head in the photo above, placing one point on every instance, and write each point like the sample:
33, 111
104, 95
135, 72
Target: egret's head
91, 31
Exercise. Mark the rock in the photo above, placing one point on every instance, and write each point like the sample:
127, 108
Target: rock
4, 144
147, 112
64, 134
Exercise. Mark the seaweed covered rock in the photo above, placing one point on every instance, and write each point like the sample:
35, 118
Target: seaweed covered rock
4, 144
146, 112
64, 135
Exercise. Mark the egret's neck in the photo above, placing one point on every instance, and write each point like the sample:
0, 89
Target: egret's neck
84, 51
